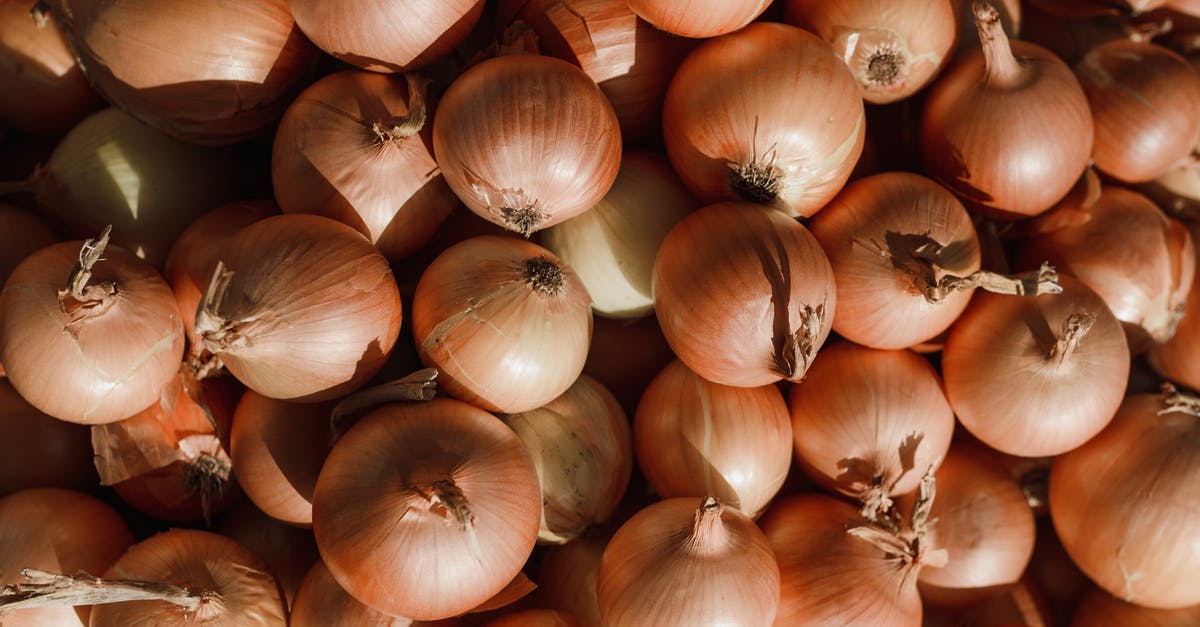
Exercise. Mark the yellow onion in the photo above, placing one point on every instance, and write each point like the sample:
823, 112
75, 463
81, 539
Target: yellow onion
320, 602
699, 18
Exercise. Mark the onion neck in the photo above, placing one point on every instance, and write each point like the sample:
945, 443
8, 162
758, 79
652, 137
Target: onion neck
708, 534
1044, 280
207, 476
905, 543
216, 332
1074, 328
447, 501
44, 589
1003, 68
402, 127
543, 275
794, 351
1177, 402
81, 297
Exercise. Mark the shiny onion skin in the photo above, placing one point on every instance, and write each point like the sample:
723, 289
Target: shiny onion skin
688, 561
56, 342
246, 595
1145, 103
769, 114
357, 147
893, 47
309, 313
1099, 607
506, 323
1036, 376
1007, 126
1124, 503
288, 551
527, 141
386, 35
210, 73
40, 451
694, 437
745, 295
321, 602
866, 422
698, 18
1175, 359
425, 510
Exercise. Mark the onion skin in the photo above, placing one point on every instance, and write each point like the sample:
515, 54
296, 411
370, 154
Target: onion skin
504, 121
1122, 504
40, 451
1100, 607
320, 601
1175, 359
745, 295
731, 108
625, 355
699, 18
567, 578
288, 551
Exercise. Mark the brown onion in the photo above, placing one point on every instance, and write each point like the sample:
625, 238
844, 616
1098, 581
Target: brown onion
40, 451
736, 129
745, 296
1100, 607
288, 551
699, 18
320, 602
1176, 358
567, 578
527, 141
1178, 191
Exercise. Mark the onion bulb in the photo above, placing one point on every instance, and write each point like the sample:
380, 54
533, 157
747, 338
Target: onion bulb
567, 577
1176, 358
745, 295
40, 451
699, 18
527, 141
320, 602
735, 128
1099, 607
24, 233
288, 551
688, 561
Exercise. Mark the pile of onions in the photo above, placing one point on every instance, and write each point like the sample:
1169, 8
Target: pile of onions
40, 451
527, 141
612, 245
1006, 127
505, 322
59, 312
744, 294
387, 35
304, 308
288, 551
425, 510
866, 422
1099, 608
694, 438
1036, 376
688, 561
735, 129
1176, 358
355, 147
1123, 504
699, 18
204, 72
894, 48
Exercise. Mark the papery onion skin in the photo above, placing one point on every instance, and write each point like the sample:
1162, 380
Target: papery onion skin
699, 18
40, 451
735, 129
504, 121
334, 156
387, 545
695, 437
1175, 359
504, 321
210, 73
310, 313
320, 601
688, 561
1123, 504
1099, 607
745, 295
288, 551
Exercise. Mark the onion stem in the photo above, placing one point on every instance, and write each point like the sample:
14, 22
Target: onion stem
206, 476
1003, 69
448, 501
797, 349
1044, 280
418, 386
79, 297
905, 543
708, 531
404, 126
46, 589
210, 324
1074, 328
1178, 402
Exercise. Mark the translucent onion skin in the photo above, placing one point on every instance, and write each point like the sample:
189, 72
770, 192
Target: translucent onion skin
1123, 504
745, 295
320, 602
1015, 382
210, 73
866, 422
200, 561
385, 35
694, 437
871, 232
60, 531
1100, 607
504, 321
766, 144
501, 125
426, 510
335, 155
40, 451
688, 561
73, 370
310, 313
1176, 358
699, 18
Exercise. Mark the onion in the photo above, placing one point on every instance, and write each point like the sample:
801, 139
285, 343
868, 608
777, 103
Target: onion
24, 233
1012, 17
735, 129
504, 321
744, 294
320, 602
688, 561
1176, 358
1052, 570
1099, 607
1021, 605
1006, 127
1036, 376
305, 308
693, 437
45, 92
426, 510
59, 313
866, 421
1178, 191
287, 550
567, 578
1123, 503
906, 259
612, 245
625, 355
536, 618
387, 36
40, 451
355, 147
527, 141
580, 446
699, 18
894, 48
212, 73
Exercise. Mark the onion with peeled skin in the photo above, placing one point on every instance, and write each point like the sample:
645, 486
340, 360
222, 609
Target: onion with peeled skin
699, 18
